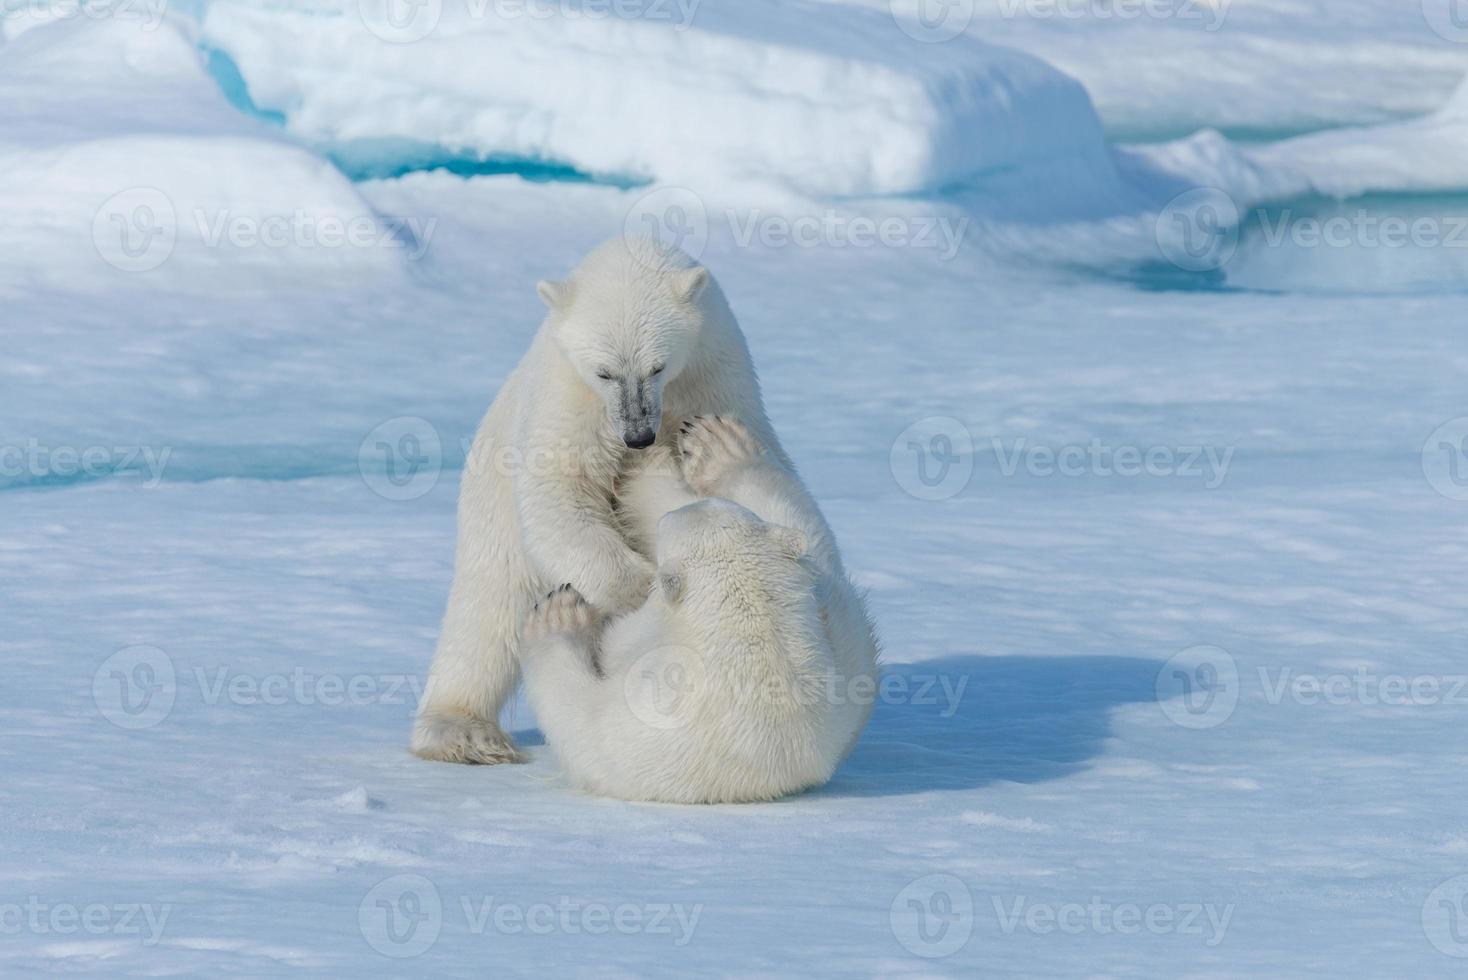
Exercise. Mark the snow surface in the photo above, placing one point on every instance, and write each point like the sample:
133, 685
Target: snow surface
728, 94
139, 131
227, 488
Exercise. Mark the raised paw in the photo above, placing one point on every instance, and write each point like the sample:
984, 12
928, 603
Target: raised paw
713, 446
563, 610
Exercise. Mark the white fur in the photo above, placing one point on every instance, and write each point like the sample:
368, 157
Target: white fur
535, 505
750, 670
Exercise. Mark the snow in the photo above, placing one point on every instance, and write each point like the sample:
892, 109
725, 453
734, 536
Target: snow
221, 594
765, 91
138, 158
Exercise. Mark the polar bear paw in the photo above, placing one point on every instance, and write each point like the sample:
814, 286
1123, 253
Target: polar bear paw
562, 611
712, 447
458, 736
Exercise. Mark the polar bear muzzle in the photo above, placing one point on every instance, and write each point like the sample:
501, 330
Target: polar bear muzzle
640, 410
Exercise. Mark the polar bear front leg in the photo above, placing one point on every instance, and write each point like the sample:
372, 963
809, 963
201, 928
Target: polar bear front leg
570, 534
558, 660
722, 458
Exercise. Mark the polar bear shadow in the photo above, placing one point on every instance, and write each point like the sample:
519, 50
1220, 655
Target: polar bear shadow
1016, 719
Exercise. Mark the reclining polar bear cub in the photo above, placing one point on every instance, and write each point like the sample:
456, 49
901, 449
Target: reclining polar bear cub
748, 673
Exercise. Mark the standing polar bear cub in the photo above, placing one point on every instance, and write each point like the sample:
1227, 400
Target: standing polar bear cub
636, 340
743, 676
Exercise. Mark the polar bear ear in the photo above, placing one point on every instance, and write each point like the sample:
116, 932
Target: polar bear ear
688, 283
556, 295
671, 585
789, 540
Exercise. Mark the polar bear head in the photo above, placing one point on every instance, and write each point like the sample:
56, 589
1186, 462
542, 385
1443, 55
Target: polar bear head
628, 320
714, 548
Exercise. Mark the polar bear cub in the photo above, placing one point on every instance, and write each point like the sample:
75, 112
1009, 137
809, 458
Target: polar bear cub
638, 339
729, 684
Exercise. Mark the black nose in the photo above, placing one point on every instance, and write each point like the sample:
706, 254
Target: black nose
641, 440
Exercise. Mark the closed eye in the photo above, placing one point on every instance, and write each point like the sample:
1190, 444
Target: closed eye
657, 370
605, 375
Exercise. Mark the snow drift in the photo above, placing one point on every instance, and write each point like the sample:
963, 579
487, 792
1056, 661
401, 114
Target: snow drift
139, 164
821, 99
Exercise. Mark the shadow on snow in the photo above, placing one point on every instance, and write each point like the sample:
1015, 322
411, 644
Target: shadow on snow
1018, 719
